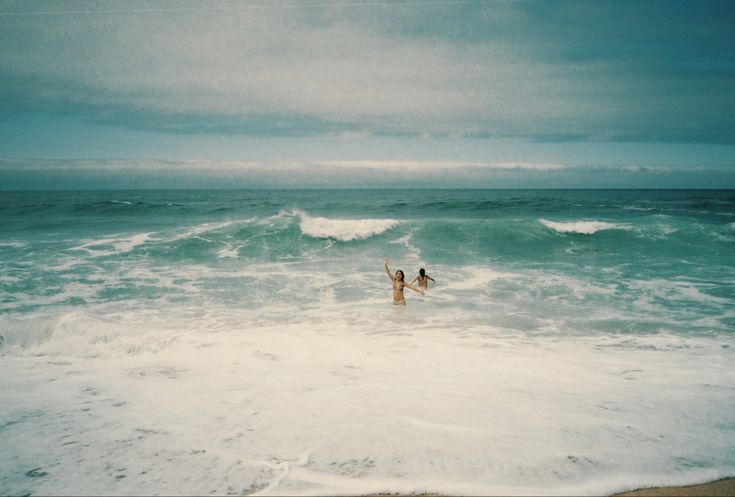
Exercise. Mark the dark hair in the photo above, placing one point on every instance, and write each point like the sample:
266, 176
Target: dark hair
422, 272
403, 275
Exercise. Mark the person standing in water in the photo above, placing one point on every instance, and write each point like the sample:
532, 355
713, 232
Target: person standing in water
399, 283
423, 279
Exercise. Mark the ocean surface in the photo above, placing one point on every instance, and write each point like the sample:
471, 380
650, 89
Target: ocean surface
236, 342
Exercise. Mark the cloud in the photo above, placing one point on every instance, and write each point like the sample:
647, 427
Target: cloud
571, 71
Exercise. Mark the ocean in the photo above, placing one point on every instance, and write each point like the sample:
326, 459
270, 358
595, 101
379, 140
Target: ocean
244, 341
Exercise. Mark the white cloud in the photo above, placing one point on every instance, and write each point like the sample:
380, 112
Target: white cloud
259, 63
533, 70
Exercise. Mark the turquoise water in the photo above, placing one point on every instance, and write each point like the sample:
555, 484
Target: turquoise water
659, 260
187, 342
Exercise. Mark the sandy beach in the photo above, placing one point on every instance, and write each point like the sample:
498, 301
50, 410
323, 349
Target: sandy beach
718, 488
723, 487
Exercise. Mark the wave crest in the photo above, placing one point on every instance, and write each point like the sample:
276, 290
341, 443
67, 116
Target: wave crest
343, 230
582, 227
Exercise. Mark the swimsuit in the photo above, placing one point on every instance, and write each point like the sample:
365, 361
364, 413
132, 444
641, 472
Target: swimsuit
400, 289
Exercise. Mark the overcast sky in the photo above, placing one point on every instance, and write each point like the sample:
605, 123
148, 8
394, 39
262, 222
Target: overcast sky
467, 92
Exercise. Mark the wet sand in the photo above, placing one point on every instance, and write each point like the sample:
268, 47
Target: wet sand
719, 488
724, 487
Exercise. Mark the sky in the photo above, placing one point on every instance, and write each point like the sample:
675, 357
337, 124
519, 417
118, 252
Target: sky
363, 93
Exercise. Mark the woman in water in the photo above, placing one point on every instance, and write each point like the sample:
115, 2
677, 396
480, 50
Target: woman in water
399, 283
423, 279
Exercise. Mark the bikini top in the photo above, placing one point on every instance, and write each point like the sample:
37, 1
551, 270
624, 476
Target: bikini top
400, 286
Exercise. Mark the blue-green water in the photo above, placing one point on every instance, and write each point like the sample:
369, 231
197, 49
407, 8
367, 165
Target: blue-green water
658, 260
566, 328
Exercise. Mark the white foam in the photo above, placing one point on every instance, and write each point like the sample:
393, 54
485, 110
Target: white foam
227, 252
472, 278
53, 295
405, 240
69, 264
637, 208
98, 248
673, 290
583, 227
74, 333
324, 409
660, 231
344, 230
203, 228
121, 244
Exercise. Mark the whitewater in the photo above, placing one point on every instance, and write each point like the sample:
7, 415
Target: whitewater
576, 342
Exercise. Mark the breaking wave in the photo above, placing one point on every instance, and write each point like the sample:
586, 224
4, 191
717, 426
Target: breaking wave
583, 227
344, 230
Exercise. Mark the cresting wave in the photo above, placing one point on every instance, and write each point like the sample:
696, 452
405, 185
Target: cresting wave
344, 230
583, 227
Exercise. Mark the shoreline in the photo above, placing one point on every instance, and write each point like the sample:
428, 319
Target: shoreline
723, 487
717, 488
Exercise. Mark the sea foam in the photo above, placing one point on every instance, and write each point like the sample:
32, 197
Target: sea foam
583, 227
324, 409
101, 247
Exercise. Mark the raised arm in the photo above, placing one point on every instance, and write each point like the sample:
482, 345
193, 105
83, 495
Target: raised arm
387, 271
408, 285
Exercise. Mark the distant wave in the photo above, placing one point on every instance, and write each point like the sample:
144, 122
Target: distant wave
115, 206
343, 230
582, 227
